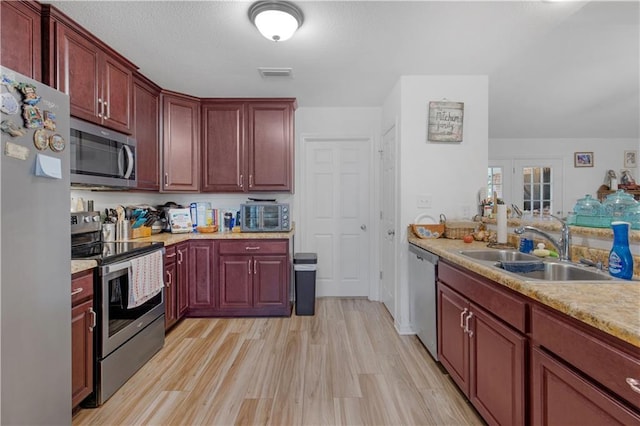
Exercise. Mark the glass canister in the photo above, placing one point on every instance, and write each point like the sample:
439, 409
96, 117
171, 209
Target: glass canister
617, 204
632, 215
588, 206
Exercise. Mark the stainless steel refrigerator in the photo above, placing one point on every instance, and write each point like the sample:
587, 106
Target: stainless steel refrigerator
35, 300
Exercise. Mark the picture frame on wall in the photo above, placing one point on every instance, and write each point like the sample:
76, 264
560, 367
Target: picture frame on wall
630, 159
445, 121
583, 159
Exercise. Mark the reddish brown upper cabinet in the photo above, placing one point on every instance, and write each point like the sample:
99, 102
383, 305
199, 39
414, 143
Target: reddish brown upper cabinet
99, 81
248, 145
485, 357
146, 131
83, 321
20, 37
180, 143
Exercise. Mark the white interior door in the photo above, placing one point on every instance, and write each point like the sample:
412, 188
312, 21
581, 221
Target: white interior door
388, 221
336, 214
523, 184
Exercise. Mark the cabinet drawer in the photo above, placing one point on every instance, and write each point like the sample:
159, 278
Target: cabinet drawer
596, 358
505, 306
254, 247
81, 286
170, 255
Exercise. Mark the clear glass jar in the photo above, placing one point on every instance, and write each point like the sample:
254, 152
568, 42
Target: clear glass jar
588, 206
632, 215
616, 204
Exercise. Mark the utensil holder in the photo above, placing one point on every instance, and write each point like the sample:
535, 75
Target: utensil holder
123, 231
108, 232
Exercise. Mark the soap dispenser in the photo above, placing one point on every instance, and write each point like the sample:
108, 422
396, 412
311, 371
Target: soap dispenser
620, 259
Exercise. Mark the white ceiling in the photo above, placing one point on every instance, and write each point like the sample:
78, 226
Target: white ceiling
556, 69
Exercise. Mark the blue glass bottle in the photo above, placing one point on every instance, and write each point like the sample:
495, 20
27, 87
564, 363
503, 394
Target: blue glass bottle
620, 259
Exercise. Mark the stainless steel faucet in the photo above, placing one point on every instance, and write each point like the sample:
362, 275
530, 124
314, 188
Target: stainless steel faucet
563, 246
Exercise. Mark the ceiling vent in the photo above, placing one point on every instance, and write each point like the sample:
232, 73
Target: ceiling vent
276, 72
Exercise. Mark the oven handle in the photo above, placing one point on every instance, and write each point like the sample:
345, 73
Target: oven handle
108, 269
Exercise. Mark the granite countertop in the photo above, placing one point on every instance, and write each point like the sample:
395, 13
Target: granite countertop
612, 307
169, 239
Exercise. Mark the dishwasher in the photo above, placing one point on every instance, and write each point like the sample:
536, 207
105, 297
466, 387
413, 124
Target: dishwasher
422, 282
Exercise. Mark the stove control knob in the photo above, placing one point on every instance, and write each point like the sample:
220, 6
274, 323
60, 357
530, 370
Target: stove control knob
96, 218
86, 219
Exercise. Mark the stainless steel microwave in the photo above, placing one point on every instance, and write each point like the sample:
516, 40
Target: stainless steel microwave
101, 157
265, 217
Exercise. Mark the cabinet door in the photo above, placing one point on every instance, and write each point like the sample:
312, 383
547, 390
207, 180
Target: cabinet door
78, 64
235, 282
146, 130
453, 349
117, 85
497, 379
170, 295
270, 144
181, 137
82, 322
271, 278
562, 397
20, 35
182, 250
223, 148
202, 295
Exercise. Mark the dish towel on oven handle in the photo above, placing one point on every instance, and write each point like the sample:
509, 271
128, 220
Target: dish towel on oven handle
146, 278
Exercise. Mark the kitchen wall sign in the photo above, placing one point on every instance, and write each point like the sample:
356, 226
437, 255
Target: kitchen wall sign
445, 121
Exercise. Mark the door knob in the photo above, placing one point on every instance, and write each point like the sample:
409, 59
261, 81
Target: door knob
391, 232
363, 227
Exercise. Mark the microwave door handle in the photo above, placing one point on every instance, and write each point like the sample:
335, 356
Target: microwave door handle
130, 162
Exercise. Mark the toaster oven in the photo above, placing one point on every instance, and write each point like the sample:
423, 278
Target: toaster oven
265, 217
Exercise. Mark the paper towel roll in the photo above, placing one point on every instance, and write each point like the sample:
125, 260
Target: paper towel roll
502, 223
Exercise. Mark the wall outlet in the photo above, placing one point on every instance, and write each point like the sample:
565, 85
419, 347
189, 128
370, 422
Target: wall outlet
424, 201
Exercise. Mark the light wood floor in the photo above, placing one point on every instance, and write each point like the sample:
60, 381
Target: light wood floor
344, 366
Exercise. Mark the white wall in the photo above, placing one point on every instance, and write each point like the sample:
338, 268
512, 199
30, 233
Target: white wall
450, 173
577, 181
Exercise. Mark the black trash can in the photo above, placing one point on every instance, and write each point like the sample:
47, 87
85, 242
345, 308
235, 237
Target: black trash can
305, 265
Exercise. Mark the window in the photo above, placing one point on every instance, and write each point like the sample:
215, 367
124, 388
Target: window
537, 189
494, 184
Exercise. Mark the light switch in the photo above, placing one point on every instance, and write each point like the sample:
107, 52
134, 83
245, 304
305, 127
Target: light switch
424, 201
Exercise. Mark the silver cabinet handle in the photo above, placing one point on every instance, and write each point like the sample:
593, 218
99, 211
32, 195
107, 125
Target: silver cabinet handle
462, 314
93, 319
180, 257
166, 179
252, 248
634, 384
249, 265
100, 108
170, 255
255, 266
77, 291
169, 279
241, 181
108, 114
250, 181
466, 324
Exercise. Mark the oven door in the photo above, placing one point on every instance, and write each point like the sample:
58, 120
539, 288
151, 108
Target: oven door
119, 324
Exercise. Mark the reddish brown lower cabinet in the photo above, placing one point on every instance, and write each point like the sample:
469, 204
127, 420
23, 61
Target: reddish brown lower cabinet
20, 37
182, 272
202, 278
560, 396
83, 321
170, 286
485, 357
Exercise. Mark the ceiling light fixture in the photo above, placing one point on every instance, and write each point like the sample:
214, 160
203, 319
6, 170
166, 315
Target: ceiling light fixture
276, 20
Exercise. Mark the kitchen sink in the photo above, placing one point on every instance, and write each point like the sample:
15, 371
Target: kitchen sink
492, 255
558, 271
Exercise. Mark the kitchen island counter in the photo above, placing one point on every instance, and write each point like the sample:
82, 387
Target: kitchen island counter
612, 307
